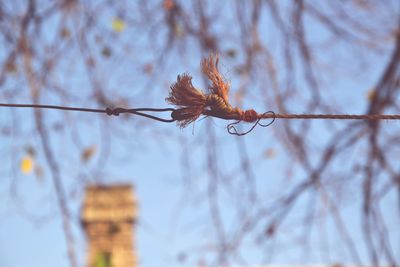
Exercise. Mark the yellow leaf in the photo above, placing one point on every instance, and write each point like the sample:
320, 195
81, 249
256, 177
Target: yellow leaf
118, 25
26, 165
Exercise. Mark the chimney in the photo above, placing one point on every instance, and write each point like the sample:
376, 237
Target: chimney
108, 217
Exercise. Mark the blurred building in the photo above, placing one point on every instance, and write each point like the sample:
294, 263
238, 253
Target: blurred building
108, 217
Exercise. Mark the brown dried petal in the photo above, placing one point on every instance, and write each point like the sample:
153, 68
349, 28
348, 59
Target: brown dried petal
219, 85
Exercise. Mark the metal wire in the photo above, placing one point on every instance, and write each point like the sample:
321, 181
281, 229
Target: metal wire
231, 127
108, 111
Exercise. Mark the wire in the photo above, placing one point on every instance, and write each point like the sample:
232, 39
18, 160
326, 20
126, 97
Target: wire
108, 111
231, 128
331, 116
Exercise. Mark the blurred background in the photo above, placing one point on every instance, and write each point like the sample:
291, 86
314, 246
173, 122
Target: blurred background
295, 193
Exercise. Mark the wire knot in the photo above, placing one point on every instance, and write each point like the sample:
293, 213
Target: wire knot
249, 115
193, 102
232, 129
219, 106
113, 111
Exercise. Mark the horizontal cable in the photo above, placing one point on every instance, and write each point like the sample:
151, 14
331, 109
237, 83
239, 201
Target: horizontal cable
108, 111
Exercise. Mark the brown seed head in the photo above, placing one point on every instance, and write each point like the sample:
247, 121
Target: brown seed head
219, 86
190, 100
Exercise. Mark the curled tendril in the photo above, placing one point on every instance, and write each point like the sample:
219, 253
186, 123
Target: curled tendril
232, 129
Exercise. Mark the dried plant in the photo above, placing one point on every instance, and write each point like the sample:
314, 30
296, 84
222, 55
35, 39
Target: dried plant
193, 102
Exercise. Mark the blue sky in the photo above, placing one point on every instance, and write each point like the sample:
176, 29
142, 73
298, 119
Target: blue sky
174, 211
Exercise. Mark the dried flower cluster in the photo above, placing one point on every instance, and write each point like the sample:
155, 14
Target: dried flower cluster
192, 102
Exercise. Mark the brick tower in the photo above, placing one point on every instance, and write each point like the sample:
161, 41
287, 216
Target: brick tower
108, 216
